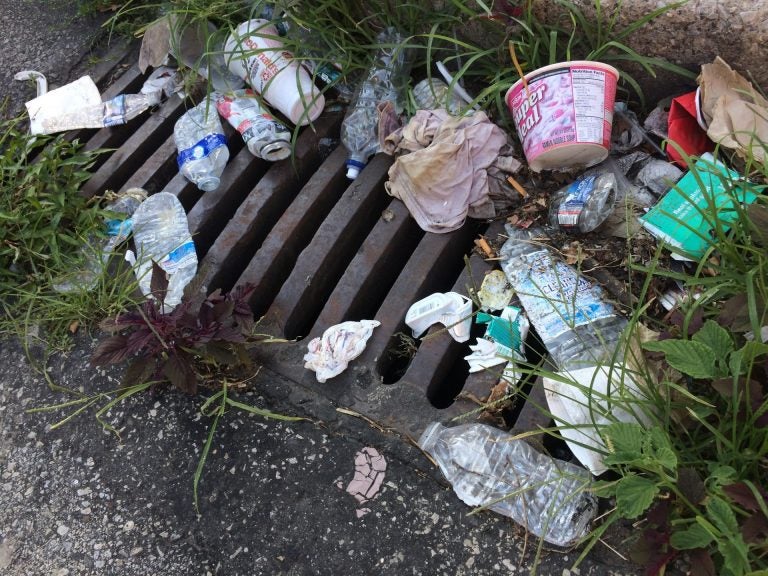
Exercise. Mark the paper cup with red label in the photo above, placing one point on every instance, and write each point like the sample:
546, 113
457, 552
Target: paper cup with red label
256, 54
563, 114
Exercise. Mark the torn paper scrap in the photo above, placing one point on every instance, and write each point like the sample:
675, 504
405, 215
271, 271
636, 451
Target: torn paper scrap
591, 398
47, 109
330, 354
452, 310
735, 113
503, 342
370, 467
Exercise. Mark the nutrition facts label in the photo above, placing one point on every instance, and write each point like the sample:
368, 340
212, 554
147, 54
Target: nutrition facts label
589, 87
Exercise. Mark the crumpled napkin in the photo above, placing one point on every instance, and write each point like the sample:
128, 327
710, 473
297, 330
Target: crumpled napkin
444, 178
330, 354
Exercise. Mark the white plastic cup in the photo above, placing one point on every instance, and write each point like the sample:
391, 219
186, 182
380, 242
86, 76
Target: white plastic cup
255, 53
563, 114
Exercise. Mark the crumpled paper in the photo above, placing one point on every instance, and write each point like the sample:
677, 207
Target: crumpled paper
330, 354
735, 113
444, 178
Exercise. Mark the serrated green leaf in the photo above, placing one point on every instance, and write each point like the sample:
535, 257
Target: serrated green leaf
666, 457
721, 515
735, 555
634, 495
624, 437
716, 337
688, 356
695, 536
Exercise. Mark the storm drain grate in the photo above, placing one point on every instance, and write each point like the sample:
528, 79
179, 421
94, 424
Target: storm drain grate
320, 250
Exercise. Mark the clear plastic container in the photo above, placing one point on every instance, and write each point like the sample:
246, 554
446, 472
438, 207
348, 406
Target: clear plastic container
200, 46
487, 468
585, 203
386, 80
574, 320
202, 147
161, 234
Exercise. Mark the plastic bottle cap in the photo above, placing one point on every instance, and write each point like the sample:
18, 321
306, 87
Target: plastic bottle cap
209, 184
352, 172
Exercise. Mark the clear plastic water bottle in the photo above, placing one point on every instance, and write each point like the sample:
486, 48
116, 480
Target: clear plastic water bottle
486, 467
96, 253
576, 323
202, 147
584, 204
386, 80
161, 234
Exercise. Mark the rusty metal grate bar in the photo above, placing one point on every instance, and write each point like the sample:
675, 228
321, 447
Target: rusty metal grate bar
320, 250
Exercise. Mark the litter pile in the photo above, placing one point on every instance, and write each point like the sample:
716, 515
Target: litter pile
607, 173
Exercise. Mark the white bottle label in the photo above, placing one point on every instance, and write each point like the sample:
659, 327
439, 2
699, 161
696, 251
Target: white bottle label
556, 298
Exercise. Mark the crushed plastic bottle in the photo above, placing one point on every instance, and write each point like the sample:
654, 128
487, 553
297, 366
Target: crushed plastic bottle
585, 203
161, 234
97, 252
202, 147
264, 136
486, 467
576, 323
386, 81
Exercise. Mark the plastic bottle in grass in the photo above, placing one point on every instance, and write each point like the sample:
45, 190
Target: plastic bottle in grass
571, 314
386, 80
202, 147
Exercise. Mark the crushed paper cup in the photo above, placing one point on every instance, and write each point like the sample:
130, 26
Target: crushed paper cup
591, 401
452, 310
329, 355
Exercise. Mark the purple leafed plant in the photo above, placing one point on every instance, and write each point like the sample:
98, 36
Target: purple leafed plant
202, 330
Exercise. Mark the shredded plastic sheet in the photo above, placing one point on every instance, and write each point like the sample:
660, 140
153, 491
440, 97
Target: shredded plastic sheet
330, 354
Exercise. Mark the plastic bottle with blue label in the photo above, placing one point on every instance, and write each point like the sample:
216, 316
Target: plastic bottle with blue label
386, 80
97, 251
571, 314
584, 204
161, 234
202, 147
